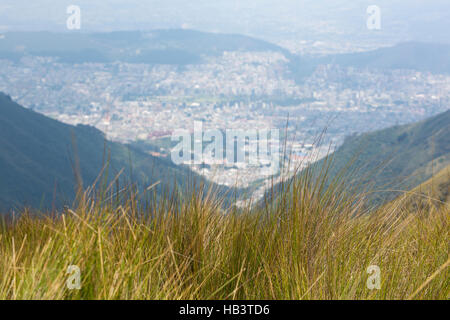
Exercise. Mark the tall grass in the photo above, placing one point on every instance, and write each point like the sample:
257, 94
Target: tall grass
312, 241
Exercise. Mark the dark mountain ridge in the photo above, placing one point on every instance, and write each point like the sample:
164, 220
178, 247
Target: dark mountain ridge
39, 159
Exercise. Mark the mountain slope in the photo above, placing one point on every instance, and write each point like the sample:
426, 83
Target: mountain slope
437, 187
39, 155
397, 158
383, 164
433, 193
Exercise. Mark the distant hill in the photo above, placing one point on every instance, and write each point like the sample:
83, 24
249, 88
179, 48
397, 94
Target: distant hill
424, 57
427, 57
39, 156
176, 47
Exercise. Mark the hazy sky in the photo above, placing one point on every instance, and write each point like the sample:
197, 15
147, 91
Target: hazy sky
403, 19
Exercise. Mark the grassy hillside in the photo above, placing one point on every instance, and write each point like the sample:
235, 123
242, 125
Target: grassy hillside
319, 245
397, 158
42, 160
436, 189
438, 186
316, 242
382, 165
